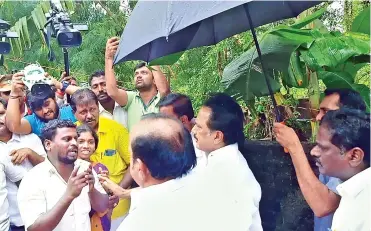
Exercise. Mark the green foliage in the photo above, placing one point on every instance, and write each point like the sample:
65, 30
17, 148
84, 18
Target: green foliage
361, 23
288, 50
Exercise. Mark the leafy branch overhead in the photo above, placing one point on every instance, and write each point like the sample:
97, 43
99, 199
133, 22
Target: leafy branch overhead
289, 52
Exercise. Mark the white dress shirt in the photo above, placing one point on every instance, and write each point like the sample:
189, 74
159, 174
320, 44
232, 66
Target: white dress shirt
120, 115
13, 173
42, 188
234, 187
353, 213
33, 142
221, 195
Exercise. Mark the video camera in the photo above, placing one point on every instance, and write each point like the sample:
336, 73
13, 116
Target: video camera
4, 33
60, 26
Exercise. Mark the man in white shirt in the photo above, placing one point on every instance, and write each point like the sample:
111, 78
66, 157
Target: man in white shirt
319, 192
162, 155
8, 172
108, 107
51, 195
25, 151
343, 151
219, 133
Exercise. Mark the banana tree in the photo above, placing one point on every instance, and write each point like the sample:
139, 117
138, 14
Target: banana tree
300, 56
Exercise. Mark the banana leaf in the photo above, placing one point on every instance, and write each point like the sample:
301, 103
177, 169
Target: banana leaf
277, 47
302, 22
295, 76
333, 51
361, 23
25, 32
45, 5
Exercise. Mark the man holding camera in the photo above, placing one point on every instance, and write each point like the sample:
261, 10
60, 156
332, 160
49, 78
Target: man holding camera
43, 105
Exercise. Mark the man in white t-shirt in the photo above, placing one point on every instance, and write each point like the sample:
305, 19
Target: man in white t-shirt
108, 107
51, 195
25, 151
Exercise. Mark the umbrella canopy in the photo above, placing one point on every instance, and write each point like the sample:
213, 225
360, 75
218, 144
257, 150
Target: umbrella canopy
159, 28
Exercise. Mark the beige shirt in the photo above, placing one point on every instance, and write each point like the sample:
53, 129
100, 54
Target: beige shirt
353, 213
42, 188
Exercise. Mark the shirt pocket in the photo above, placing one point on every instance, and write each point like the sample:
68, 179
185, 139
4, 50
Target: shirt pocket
113, 161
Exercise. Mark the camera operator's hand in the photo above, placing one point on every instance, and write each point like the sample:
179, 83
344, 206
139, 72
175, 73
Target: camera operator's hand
64, 77
17, 85
111, 47
54, 81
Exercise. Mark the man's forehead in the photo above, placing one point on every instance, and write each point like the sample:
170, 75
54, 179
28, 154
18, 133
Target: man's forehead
63, 132
98, 79
144, 68
330, 102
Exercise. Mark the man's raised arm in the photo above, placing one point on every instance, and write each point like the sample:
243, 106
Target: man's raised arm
320, 199
14, 120
118, 95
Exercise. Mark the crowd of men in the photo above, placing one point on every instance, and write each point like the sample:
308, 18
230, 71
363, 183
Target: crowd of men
154, 165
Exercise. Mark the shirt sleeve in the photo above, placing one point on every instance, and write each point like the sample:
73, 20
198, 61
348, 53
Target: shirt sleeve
31, 202
123, 144
32, 120
131, 96
330, 182
13, 172
67, 113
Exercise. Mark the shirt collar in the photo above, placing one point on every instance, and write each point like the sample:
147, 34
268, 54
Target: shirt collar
356, 184
140, 195
103, 127
15, 137
101, 108
150, 102
226, 150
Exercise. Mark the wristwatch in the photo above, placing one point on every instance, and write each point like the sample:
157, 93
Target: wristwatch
65, 84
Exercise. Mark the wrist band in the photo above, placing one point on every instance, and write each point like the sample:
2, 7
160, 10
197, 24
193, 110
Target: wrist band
14, 96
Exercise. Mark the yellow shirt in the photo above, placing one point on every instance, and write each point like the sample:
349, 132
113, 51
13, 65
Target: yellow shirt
113, 152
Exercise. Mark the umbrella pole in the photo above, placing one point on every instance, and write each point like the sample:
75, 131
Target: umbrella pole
277, 113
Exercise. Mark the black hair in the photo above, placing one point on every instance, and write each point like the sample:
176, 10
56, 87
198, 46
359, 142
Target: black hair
348, 98
4, 103
166, 156
85, 128
349, 128
38, 95
227, 117
83, 96
49, 131
96, 75
181, 104
140, 65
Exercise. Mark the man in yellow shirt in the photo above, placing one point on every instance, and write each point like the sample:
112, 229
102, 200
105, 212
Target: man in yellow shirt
112, 148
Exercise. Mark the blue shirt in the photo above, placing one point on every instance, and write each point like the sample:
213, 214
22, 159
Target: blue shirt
65, 113
324, 223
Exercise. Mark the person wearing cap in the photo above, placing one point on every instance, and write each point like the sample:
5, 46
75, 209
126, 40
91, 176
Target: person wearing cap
43, 105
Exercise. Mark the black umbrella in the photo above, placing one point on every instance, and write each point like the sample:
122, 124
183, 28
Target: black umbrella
159, 28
